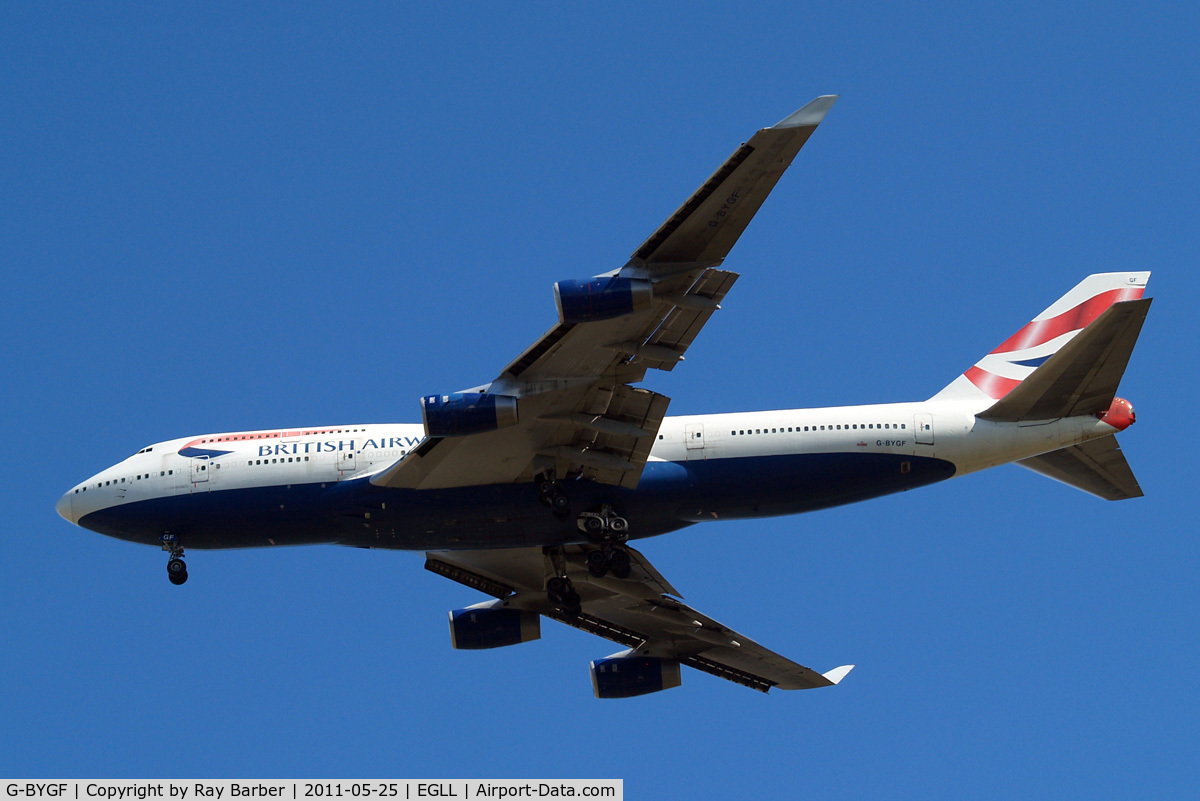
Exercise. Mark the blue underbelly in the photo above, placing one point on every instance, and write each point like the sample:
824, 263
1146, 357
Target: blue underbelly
671, 495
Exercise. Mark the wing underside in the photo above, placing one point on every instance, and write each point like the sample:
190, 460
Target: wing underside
577, 411
636, 612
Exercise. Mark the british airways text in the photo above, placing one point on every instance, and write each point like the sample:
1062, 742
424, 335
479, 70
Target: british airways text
339, 445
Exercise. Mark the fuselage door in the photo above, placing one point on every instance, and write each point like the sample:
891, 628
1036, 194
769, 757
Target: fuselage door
198, 467
693, 435
923, 428
345, 463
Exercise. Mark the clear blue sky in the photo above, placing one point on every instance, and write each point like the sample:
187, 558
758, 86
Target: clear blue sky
222, 218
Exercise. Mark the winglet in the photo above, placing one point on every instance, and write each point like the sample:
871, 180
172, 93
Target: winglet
811, 114
838, 673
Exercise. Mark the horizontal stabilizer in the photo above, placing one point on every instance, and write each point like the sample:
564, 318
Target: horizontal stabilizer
1097, 466
1082, 377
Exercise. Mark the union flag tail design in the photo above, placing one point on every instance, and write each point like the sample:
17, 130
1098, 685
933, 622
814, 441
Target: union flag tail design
1014, 359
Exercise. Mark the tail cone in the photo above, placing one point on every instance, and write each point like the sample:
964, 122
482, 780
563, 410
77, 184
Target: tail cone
1120, 414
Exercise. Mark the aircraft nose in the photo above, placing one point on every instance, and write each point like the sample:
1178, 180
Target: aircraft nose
64, 508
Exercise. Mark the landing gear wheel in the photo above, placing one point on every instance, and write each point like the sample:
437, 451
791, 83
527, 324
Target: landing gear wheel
177, 571
593, 526
560, 591
619, 563
597, 563
618, 525
552, 494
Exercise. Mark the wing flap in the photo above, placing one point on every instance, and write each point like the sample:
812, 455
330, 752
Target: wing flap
684, 322
628, 406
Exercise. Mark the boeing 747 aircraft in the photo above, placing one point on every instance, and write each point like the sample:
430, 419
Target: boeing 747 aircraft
530, 488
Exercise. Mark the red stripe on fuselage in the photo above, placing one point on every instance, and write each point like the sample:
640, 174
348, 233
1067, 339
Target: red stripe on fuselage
1041, 331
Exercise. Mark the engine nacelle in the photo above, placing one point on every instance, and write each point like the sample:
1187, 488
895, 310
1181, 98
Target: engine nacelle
601, 298
461, 413
624, 676
488, 625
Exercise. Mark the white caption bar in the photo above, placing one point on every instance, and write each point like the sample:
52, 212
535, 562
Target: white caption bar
294, 790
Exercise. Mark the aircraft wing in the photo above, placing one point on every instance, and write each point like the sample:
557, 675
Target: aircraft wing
636, 612
576, 410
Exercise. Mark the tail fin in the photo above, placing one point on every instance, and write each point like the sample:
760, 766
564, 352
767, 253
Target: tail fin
1016, 358
1082, 378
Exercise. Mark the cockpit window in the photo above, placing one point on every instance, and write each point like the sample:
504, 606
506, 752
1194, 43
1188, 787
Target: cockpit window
144, 450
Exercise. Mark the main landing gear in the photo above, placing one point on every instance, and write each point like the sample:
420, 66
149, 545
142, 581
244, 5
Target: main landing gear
552, 494
176, 567
610, 531
562, 593
559, 589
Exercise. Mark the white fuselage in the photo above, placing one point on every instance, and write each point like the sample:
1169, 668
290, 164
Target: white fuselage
946, 431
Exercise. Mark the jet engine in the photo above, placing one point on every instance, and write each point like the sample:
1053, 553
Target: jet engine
600, 298
459, 414
624, 675
489, 625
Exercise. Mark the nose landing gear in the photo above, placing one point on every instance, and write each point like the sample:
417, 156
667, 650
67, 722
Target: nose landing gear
176, 567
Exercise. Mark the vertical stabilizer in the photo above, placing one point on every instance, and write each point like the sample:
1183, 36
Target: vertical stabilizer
1014, 359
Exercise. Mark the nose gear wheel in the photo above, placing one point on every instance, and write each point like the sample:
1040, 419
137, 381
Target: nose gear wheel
176, 567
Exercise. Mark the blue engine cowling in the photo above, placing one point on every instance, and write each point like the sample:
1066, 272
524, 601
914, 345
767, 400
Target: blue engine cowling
624, 676
600, 298
460, 414
490, 626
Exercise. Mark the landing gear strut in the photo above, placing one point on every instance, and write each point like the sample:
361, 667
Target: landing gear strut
176, 567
